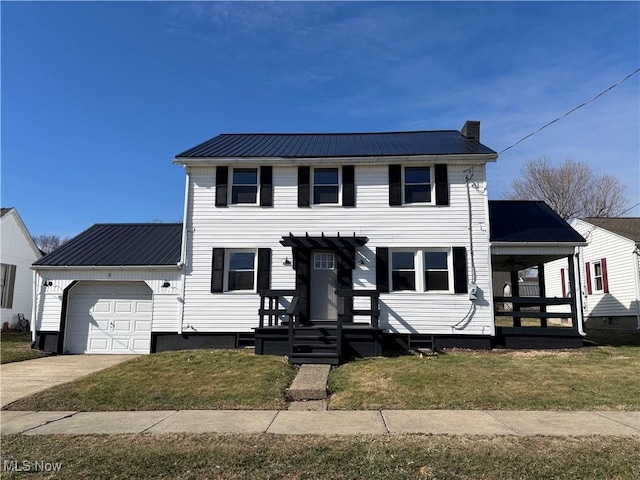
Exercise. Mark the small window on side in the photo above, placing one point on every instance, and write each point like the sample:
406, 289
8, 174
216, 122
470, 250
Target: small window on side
241, 271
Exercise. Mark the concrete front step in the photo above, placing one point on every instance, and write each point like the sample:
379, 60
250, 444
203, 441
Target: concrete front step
310, 383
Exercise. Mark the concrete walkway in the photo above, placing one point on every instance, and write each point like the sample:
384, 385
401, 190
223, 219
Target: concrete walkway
19, 379
454, 422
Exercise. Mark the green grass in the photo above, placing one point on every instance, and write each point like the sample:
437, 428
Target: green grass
16, 347
187, 380
591, 378
313, 457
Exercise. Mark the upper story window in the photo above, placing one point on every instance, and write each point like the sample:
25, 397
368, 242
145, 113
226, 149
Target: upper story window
417, 185
421, 270
326, 186
244, 186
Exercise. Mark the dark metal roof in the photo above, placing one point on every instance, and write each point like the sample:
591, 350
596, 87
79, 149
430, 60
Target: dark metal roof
3, 211
628, 227
528, 221
120, 244
335, 145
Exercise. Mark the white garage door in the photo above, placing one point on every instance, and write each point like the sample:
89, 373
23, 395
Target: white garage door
109, 317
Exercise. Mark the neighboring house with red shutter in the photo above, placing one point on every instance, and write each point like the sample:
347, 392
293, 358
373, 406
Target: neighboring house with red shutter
609, 272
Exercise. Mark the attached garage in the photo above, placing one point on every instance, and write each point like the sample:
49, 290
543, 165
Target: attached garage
109, 317
109, 290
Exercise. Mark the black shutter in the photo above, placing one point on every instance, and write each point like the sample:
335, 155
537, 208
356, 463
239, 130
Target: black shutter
395, 184
460, 269
346, 264
442, 184
264, 269
348, 186
382, 269
266, 186
11, 286
303, 271
222, 178
217, 270
304, 174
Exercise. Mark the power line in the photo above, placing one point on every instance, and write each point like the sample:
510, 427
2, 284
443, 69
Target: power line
571, 111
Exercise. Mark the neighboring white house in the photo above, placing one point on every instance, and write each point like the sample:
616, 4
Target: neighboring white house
18, 252
609, 272
317, 246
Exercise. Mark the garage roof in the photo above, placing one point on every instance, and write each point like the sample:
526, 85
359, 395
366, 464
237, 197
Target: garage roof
525, 221
119, 244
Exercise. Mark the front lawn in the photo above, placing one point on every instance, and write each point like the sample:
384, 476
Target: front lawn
590, 378
16, 347
184, 380
389, 457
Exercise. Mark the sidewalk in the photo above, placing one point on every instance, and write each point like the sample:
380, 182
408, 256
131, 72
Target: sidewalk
454, 422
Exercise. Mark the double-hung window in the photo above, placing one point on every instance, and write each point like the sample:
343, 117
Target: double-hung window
244, 186
417, 185
241, 270
326, 186
403, 270
598, 283
7, 281
421, 270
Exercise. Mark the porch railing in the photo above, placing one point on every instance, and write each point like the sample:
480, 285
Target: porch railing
274, 308
519, 303
346, 308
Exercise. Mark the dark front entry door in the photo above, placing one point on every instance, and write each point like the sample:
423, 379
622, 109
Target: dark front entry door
324, 282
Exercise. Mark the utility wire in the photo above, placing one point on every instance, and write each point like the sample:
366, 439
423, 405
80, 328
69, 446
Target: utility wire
571, 111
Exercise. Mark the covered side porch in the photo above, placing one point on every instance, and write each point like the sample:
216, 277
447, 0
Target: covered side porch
525, 236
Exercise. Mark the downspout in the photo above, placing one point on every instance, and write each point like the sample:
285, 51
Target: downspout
636, 267
578, 293
183, 250
34, 308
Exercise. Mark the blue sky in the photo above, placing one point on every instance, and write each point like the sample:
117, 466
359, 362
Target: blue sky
98, 97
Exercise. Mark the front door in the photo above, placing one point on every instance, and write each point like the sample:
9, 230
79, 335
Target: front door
324, 282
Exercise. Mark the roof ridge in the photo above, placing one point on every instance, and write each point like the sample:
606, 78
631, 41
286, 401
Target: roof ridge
335, 133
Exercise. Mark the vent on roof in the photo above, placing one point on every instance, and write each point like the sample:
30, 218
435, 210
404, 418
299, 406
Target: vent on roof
471, 130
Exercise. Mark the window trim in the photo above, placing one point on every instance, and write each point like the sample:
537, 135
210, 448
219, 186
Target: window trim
227, 259
315, 261
312, 185
594, 277
231, 185
8, 280
419, 270
432, 185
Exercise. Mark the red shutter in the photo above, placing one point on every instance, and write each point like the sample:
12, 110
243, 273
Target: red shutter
587, 271
564, 285
605, 277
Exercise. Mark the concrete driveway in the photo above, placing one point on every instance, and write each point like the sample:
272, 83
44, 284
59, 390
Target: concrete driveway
20, 379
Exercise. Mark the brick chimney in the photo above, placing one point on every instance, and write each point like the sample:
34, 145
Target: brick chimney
471, 130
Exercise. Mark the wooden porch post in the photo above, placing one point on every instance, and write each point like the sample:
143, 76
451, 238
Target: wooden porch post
574, 293
543, 293
515, 292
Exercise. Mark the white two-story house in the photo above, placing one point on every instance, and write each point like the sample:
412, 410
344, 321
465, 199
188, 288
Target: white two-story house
316, 246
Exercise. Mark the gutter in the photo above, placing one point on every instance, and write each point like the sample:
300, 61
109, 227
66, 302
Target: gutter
34, 307
538, 244
455, 158
106, 267
636, 267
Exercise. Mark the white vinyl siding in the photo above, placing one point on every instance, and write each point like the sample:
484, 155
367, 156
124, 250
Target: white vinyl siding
166, 300
17, 250
384, 226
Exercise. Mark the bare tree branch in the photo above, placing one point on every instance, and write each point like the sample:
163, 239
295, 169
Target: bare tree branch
572, 189
49, 243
